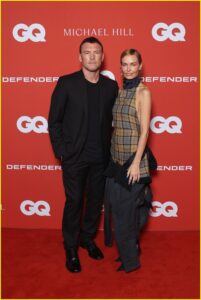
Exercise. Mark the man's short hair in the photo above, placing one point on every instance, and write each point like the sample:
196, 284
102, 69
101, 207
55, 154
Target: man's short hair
91, 40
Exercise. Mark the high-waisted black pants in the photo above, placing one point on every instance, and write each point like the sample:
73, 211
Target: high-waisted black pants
129, 214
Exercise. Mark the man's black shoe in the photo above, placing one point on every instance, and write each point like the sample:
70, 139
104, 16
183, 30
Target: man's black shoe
72, 261
93, 250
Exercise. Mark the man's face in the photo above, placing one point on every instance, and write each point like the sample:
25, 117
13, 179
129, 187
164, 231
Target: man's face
91, 56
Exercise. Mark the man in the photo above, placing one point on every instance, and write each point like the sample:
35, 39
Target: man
80, 120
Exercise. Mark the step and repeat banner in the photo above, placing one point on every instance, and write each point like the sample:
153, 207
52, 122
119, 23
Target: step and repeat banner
40, 42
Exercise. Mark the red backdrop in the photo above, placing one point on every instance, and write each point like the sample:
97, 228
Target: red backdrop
40, 43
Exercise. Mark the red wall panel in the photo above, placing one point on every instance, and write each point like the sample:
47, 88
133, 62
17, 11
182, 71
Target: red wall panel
31, 68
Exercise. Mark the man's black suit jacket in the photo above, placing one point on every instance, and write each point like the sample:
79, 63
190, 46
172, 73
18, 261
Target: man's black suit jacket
68, 115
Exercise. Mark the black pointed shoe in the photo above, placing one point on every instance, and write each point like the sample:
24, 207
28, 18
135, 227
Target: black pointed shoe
93, 251
121, 268
118, 259
72, 261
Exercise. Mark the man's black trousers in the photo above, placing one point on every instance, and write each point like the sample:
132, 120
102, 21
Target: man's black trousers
81, 218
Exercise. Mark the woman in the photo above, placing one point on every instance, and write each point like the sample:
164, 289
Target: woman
127, 187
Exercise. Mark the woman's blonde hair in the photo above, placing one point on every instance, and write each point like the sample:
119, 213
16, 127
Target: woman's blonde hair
131, 52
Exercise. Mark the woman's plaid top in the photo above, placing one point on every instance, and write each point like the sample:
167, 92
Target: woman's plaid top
126, 130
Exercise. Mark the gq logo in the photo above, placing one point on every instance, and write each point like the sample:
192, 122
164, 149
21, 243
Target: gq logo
40, 208
38, 124
23, 33
175, 32
172, 124
108, 74
167, 209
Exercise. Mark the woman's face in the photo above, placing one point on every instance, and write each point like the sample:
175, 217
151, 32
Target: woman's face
130, 66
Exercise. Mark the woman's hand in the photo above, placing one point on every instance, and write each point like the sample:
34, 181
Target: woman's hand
133, 173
